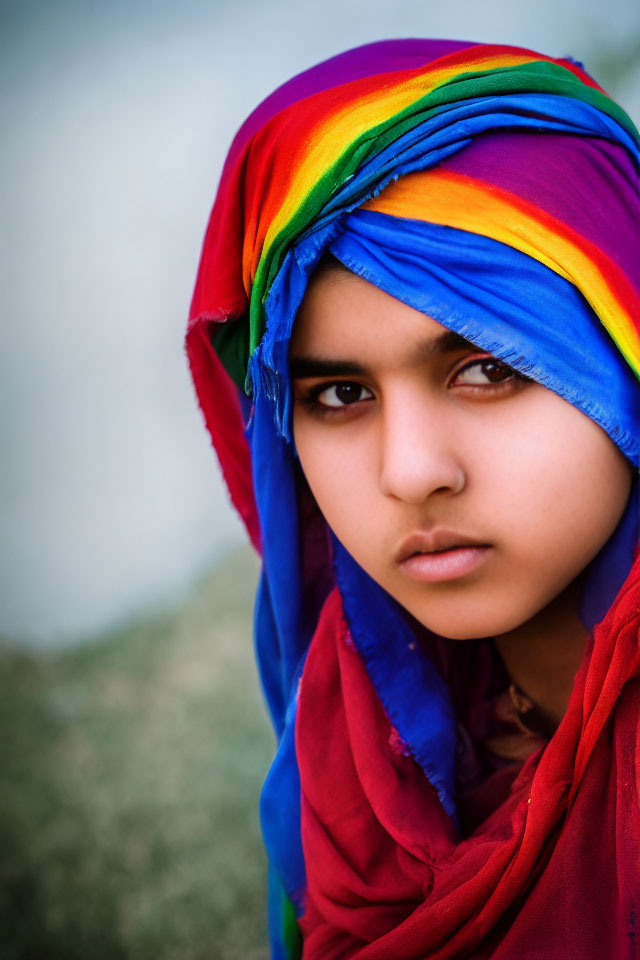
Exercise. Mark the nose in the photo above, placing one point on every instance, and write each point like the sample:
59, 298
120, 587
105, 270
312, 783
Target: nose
419, 454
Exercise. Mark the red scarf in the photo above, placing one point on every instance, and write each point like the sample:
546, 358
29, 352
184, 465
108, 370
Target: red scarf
553, 873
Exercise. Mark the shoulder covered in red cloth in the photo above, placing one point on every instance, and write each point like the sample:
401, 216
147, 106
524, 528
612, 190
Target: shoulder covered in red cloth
552, 873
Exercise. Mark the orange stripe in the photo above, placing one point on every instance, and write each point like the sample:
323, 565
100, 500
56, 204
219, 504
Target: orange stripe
456, 200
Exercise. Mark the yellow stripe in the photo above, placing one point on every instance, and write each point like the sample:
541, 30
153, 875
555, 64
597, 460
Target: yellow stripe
452, 200
330, 139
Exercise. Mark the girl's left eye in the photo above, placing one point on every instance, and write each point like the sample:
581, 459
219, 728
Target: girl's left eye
482, 373
342, 395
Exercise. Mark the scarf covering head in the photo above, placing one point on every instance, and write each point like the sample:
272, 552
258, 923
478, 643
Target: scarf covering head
495, 190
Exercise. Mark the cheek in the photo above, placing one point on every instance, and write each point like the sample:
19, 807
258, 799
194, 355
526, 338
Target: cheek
564, 489
342, 476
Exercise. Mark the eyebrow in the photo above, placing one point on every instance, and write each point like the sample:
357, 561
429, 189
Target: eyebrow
302, 367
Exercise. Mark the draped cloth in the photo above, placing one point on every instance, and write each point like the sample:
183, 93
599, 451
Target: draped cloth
496, 190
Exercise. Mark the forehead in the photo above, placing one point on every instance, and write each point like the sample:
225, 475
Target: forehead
344, 316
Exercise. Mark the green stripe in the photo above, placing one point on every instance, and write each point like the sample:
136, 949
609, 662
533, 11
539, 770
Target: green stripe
534, 77
291, 936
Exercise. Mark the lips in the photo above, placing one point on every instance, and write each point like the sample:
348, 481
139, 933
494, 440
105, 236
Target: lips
441, 555
435, 542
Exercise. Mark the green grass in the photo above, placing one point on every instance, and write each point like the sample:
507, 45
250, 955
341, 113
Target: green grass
131, 769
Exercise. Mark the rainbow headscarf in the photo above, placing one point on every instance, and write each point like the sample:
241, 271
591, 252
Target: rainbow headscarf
489, 186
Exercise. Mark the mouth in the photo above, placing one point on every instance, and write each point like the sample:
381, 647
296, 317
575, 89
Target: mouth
441, 555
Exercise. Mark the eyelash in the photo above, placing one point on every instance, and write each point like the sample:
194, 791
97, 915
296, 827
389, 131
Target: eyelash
312, 402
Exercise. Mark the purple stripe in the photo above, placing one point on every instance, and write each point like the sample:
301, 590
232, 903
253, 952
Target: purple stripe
588, 184
385, 56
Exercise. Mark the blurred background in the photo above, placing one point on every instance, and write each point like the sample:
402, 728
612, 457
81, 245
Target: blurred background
133, 737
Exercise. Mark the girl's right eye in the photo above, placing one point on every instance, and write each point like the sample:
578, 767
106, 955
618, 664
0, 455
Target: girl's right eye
339, 395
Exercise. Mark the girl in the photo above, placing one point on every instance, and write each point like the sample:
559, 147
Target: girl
414, 337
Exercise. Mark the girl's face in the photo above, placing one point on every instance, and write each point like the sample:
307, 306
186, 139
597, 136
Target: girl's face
470, 494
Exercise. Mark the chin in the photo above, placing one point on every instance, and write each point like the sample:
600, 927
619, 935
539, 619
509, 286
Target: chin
473, 623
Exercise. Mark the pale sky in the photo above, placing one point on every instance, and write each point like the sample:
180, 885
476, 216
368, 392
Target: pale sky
118, 117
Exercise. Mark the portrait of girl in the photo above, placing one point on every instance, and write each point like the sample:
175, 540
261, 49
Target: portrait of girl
415, 340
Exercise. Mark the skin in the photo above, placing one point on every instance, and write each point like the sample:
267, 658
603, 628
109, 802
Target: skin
412, 432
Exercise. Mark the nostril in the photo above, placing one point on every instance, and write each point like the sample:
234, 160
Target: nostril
415, 483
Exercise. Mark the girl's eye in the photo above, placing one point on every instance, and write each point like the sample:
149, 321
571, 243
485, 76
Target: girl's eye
483, 372
342, 395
